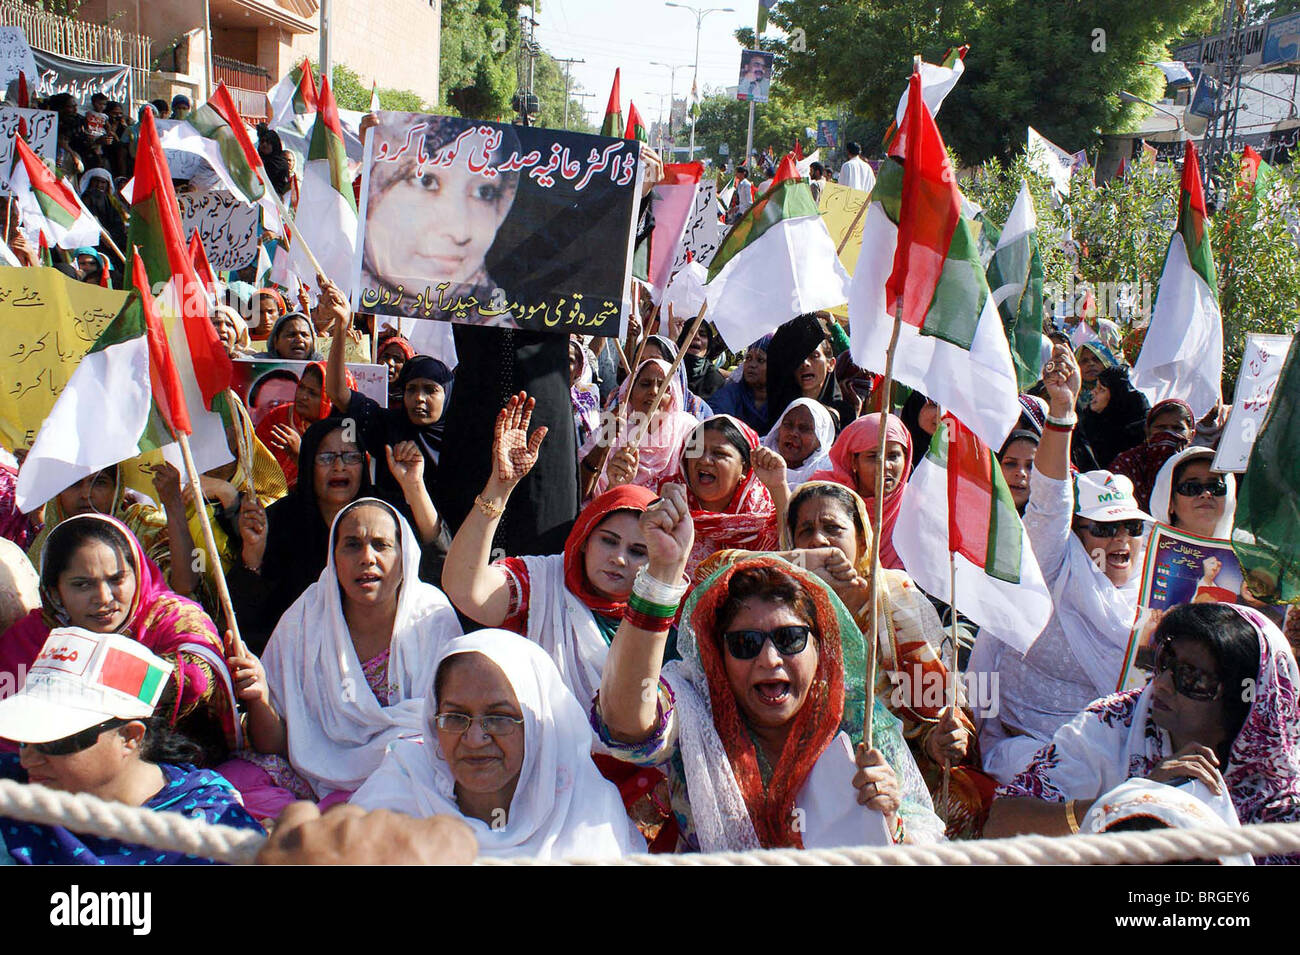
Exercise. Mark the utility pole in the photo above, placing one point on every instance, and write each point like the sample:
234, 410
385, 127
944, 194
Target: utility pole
567, 64
695, 76
326, 24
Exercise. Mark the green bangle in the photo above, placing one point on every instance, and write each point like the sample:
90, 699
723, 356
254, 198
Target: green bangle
641, 605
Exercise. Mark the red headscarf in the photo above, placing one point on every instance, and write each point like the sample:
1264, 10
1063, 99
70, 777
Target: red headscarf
406, 348
748, 522
815, 725
625, 497
864, 435
288, 414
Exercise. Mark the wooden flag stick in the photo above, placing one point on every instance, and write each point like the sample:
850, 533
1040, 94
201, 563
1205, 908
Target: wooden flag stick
288, 219
112, 247
677, 362
873, 642
236, 646
955, 673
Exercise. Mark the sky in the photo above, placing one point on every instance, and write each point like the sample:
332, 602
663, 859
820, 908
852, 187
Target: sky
632, 33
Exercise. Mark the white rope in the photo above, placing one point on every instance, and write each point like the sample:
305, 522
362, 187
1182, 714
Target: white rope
173, 832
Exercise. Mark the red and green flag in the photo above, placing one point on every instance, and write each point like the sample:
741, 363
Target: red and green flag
636, 128
48, 205
958, 508
215, 132
613, 124
293, 100
1182, 353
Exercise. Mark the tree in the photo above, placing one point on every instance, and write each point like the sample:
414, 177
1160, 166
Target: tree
351, 92
1056, 66
476, 73
777, 123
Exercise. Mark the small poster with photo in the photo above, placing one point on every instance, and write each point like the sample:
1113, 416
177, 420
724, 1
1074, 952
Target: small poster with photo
755, 83
1179, 568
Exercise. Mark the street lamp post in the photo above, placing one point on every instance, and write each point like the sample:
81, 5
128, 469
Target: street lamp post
672, 87
695, 75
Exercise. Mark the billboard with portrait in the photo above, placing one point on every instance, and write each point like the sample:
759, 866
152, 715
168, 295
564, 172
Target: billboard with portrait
755, 81
491, 224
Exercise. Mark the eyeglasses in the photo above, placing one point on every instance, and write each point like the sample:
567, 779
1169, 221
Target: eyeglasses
1195, 488
1105, 529
1189, 681
459, 723
746, 644
77, 742
350, 458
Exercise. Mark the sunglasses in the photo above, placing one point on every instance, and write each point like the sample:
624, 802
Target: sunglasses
1106, 529
746, 644
77, 742
1195, 488
1189, 681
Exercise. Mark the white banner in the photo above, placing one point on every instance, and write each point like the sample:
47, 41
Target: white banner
1261, 363
702, 232
42, 136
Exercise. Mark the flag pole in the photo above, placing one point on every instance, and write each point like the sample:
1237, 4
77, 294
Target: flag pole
956, 666
112, 246
236, 647
288, 219
878, 519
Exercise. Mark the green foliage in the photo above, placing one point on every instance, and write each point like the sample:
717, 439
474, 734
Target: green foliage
777, 123
1121, 232
548, 84
1044, 63
479, 45
350, 92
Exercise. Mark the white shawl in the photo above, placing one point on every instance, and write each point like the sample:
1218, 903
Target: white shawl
564, 627
1162, 491
337, 729
820, 459
562, 807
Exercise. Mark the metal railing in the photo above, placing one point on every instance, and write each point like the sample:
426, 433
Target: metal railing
247, 83
84, 41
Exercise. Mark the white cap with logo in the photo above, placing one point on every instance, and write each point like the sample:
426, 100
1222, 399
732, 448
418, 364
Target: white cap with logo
1102, 496
79, 680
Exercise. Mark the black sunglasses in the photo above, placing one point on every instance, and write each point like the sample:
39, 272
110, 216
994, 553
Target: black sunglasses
1189, 681
746, 644
77, 742
1112, 528
1195, 488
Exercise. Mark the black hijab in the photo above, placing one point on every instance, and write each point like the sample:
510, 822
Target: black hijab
1121, 424
276, 163
910, 415
428, 437
791, 344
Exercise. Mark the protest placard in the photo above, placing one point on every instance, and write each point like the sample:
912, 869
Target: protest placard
47, 323
1180, 568
16, 57
82, 78
703, 232
264, 383
42, 136
228, 227
490, 224
1261, 363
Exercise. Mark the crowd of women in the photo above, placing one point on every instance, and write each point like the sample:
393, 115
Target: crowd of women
649, 600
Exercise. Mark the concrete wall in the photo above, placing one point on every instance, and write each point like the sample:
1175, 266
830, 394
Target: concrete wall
392, 42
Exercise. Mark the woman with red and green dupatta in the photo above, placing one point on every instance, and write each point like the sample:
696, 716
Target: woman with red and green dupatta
94, 575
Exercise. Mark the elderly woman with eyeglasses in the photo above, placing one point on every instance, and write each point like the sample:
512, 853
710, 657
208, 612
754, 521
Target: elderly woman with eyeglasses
1088, 535
507, 748
1222, 709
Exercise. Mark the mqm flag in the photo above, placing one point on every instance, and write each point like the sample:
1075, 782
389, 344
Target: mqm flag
215, 132
326, 216
202, 267
1182, 354
936, 83
129, 369
48, 206
1256, 176
613, 124
1268, 498
957, 503
293, 100
1015, 276
920, 264
636, 128
374, 97
777, 262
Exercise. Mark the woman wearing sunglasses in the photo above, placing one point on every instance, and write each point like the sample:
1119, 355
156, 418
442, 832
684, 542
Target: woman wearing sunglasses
85, 722
1188, 496
346, 668
756, 724
1221, 708
1087, 533
507, 748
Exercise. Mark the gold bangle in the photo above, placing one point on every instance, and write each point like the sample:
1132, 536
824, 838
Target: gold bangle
490, 510
1070, 819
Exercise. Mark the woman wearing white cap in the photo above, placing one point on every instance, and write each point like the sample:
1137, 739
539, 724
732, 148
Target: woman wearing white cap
84, 722
1087, 534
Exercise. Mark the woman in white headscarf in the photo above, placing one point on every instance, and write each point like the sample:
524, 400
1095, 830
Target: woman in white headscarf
1188, 495
346, 668
803, 436
506, 746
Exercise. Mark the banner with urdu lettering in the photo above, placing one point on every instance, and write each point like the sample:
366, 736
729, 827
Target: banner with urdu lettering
228, 227
42, 136
490, 224
47, 324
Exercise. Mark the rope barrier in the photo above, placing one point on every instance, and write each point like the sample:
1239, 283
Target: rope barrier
174, 832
